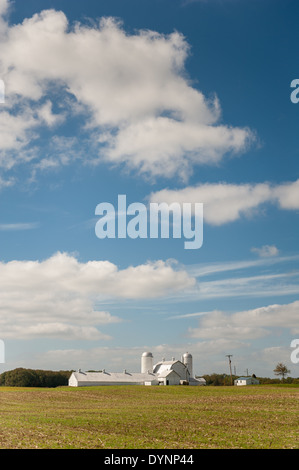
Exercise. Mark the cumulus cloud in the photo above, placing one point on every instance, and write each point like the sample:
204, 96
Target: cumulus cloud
58, 297
249, 324
132, 87
4, 4
224, 202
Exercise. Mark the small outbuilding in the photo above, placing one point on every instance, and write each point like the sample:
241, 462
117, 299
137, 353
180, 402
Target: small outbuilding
246, 381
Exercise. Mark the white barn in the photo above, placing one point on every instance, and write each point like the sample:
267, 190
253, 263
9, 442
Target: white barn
246, 381
172, 372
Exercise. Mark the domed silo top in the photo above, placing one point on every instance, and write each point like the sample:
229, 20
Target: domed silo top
187, 355
146, 362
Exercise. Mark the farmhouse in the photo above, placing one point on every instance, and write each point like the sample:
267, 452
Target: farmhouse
172, 372
246, 381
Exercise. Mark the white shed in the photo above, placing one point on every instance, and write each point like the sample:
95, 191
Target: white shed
246, 381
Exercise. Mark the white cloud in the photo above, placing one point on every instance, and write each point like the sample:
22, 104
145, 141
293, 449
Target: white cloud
250, 324
224, 203
162, 146
287, 195
266, 251
141, 107
4, 5
14, 130
58, 297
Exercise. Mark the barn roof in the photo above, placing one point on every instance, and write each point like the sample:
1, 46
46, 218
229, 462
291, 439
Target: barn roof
167, 363
118, 377
165, 373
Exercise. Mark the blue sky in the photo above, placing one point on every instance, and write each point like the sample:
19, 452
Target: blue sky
163, 101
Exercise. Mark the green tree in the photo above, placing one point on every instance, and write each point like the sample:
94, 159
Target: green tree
281, 369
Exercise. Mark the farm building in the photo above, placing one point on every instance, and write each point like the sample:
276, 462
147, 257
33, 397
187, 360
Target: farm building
172, 372
246, 381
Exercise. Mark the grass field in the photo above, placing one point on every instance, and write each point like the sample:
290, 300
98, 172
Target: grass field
137, 417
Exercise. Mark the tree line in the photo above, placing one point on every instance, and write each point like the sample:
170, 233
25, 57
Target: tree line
34, 378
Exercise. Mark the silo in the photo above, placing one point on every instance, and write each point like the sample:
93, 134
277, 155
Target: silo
188, 361
146, 362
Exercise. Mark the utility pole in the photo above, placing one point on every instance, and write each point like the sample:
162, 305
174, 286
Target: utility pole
230, 367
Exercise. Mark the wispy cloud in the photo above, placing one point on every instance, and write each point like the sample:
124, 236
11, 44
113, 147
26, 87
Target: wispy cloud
199, 270
248, 278
18, 226
268, 285
189, 315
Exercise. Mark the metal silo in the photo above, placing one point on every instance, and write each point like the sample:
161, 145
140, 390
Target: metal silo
188, 361
146, 362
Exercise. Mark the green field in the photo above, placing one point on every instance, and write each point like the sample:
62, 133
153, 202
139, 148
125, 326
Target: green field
137, 417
